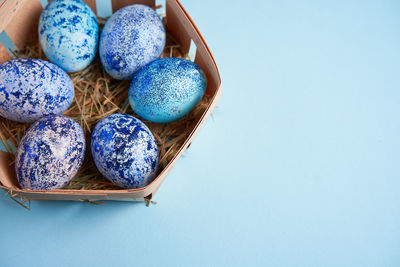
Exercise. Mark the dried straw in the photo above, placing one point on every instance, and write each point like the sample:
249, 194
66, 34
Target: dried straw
98, 95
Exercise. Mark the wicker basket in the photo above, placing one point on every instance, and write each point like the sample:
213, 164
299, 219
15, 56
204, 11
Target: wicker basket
18, 23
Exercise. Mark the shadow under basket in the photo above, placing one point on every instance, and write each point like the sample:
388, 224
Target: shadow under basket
18, 25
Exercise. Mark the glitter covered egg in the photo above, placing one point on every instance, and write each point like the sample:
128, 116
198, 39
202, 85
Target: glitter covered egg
32, 88
166, 89
68, 34
50, 153
125, 151
132, 37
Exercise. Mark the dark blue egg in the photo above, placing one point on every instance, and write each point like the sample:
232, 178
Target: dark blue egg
68, 34
166, 89
125, 151
32, 88
131, 38
50, 153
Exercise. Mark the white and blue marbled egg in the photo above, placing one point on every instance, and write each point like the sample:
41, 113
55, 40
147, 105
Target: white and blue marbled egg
50, 153
166, 89
131, 38
68, 34
32, 88
125, 151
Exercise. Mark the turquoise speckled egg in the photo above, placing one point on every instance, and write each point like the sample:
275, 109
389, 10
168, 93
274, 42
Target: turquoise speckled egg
50, 153
166, 89
125, 151
68, 34
132, 37
32, 88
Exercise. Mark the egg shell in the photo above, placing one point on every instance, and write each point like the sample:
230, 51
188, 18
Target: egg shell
131, 38
166, 89
125, 151
50, 153
68, 34
32, 88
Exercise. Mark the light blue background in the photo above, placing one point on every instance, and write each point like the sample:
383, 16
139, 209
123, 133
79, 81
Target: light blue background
299, 167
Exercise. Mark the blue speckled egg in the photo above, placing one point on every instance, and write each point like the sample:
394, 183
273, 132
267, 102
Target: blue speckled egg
166, 89
32, 88
50, 153
131, 38
68, 34
125, 151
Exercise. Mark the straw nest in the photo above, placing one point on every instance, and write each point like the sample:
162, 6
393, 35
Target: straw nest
98, 95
